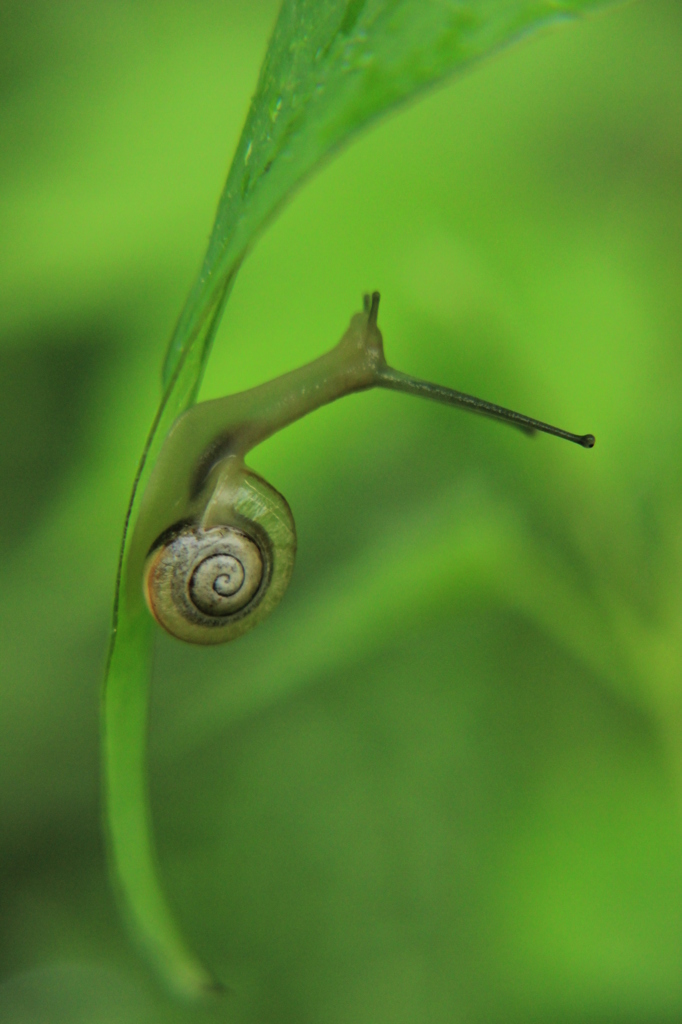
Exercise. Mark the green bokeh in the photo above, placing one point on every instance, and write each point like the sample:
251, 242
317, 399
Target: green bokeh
444, 782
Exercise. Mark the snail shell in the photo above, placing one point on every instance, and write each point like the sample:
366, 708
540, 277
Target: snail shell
208, 584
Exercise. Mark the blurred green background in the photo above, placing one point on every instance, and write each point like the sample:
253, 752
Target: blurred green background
443, 782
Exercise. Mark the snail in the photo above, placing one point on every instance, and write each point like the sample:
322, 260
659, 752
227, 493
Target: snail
214, 542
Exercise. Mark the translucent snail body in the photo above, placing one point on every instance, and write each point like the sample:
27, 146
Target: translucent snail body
215, 543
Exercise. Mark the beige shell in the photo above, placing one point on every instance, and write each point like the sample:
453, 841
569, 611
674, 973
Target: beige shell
207, 585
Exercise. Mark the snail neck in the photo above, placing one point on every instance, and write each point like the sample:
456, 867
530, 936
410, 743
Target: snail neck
223, 484
354, 364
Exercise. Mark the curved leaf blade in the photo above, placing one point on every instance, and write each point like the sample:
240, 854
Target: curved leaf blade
332, 67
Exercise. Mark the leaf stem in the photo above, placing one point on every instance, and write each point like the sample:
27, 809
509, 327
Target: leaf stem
128, 820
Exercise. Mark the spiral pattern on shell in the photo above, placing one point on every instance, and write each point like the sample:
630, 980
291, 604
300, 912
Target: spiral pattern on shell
203, 581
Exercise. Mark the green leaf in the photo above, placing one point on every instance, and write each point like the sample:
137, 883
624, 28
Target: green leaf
332, 67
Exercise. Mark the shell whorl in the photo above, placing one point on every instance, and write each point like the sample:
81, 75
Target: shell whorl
204, 580
207, 585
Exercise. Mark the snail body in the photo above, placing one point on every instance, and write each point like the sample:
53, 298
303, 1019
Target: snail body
214, 543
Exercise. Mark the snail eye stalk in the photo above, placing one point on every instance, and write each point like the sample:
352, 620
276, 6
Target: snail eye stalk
394, 380
397, 381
